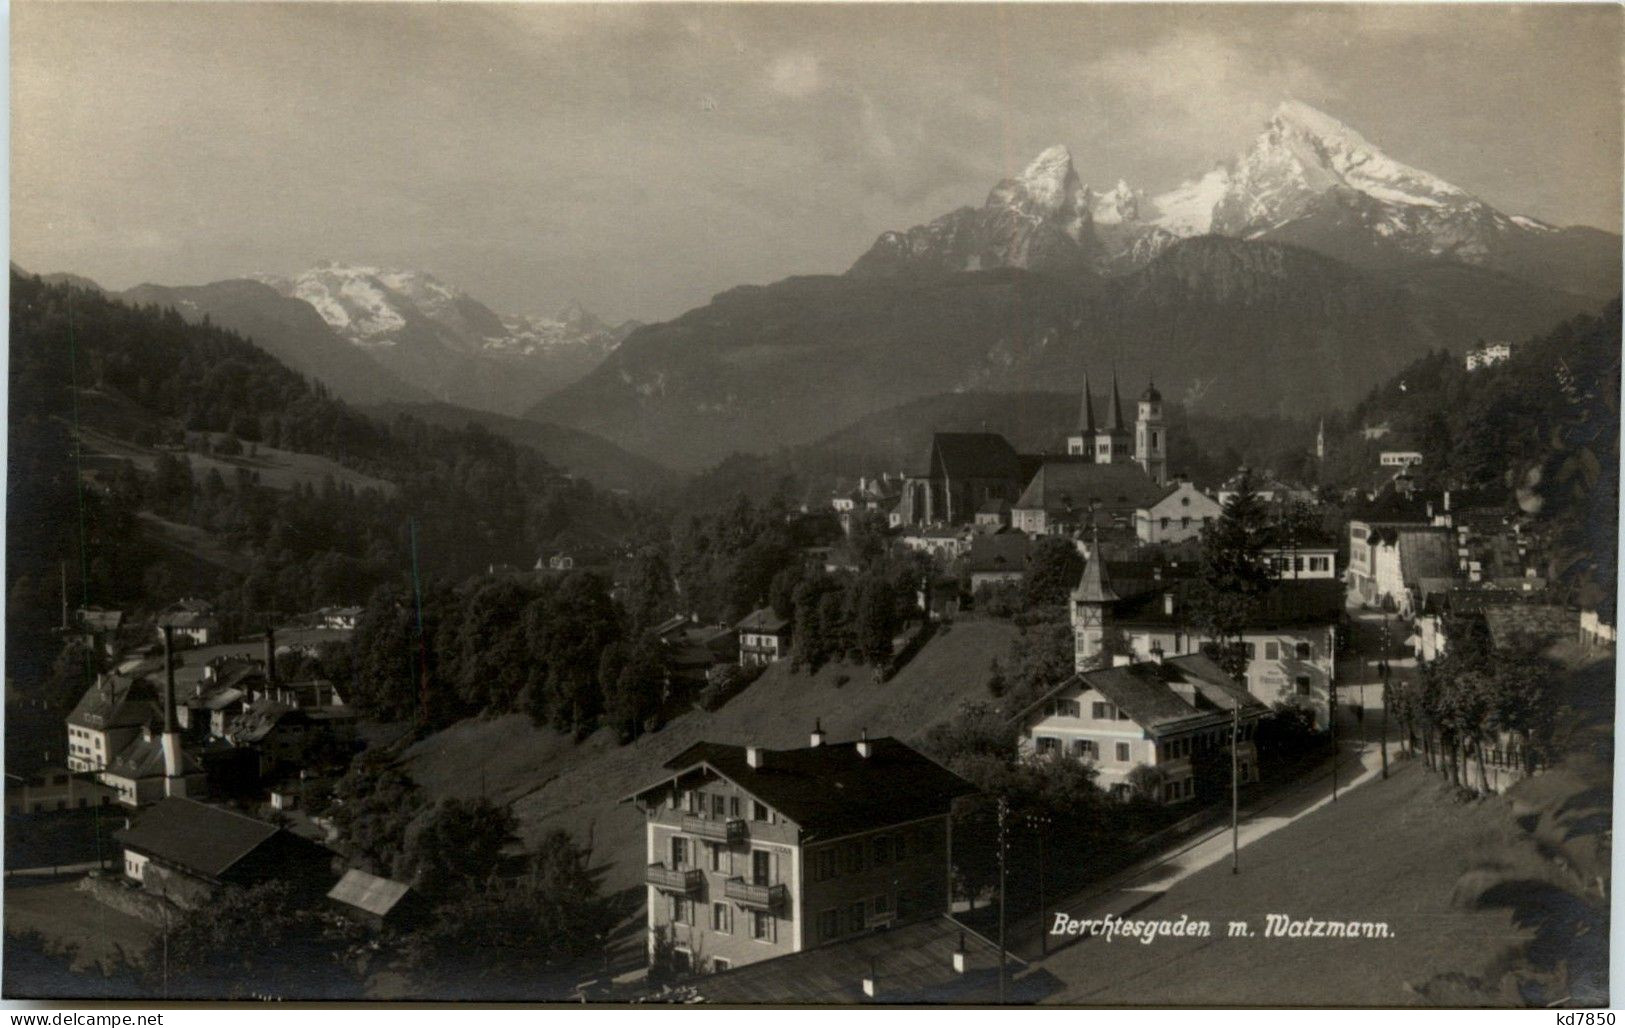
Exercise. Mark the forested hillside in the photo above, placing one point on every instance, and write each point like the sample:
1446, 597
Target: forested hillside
86, 367
1541, 428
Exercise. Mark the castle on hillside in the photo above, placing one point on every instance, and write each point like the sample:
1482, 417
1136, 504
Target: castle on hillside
1111, 443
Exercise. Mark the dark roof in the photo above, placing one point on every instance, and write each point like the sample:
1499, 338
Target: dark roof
368, 892
1314, 601
1072, 485
117, 701
1006, 551
831, 790
144, 758
203, 839
1086, 416
1539, 623
1094, 585
763, 620
1117, 408
1426, 554
1146, 691
958, 455
912, 963
257, 721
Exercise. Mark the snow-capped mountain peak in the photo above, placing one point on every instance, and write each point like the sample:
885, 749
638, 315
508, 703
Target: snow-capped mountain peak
1050, 180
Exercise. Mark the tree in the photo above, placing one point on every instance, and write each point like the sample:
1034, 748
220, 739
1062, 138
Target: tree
374, 805
248, 942
633, 703
458, 846
1053, 569
1233, 575
876, 621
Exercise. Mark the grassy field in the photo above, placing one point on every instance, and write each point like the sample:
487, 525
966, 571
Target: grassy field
1391, 851
551, 781
64, 917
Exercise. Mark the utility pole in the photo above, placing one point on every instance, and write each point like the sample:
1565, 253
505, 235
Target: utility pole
1331, 716
1235, 790
1004, 810
1040, 823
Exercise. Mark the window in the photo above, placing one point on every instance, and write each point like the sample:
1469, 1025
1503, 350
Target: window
722, 918
829, 924
823, 865
881, 904
719, 857
733, 806
880, 850
696, 802
854, 917
1085, 749
1102, 711
1306, 651
759, 811
679, 852
1047, 746
719, 806
1122, 752
720, 964
762, 927
1272, 651
852, 857
1251, 649
1303, 685
1165, 522
677, 908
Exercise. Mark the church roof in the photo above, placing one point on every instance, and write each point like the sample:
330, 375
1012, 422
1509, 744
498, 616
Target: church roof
1117, 408
1151, 395
1086, 416
959, 455
1073, 485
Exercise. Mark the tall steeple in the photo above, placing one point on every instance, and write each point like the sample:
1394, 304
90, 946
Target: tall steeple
1117, 406
1114, 444
1086, 417
1082, 442
1090, 608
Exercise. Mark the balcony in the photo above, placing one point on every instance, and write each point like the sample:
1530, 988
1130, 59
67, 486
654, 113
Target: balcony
666, 879
731, 831
749, 894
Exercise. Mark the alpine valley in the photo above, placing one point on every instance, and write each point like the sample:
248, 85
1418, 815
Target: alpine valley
1288, 279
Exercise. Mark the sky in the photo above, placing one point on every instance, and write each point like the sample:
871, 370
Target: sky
642, 157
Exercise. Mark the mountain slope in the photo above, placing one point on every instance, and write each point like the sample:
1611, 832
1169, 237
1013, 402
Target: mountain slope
579, 453
1308, 179
447, 344
289, 330
1227, 326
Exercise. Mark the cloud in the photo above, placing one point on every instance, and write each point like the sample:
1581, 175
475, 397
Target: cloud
1194, 89
795, 74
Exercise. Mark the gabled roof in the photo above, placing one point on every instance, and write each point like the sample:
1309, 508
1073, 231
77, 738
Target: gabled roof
1286, 604
203, 839
1006, 551
1425, 554
368, 892
959, 455
764, 619
1071, 485
144, 758
117, 701
831, 790
1145, 691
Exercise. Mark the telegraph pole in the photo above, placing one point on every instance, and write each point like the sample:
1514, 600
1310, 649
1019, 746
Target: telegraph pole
1235, 790
1331, 716
1004, 810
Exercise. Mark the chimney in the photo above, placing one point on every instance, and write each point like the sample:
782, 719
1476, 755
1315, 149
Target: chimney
174, 771
169, 679
270, 658
755, 756
817, 733
1447, 501
864, 749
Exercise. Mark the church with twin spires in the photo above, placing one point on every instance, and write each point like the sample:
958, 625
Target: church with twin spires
1112, 444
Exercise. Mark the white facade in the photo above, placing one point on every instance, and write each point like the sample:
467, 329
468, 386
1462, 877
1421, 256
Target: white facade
1178, 516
